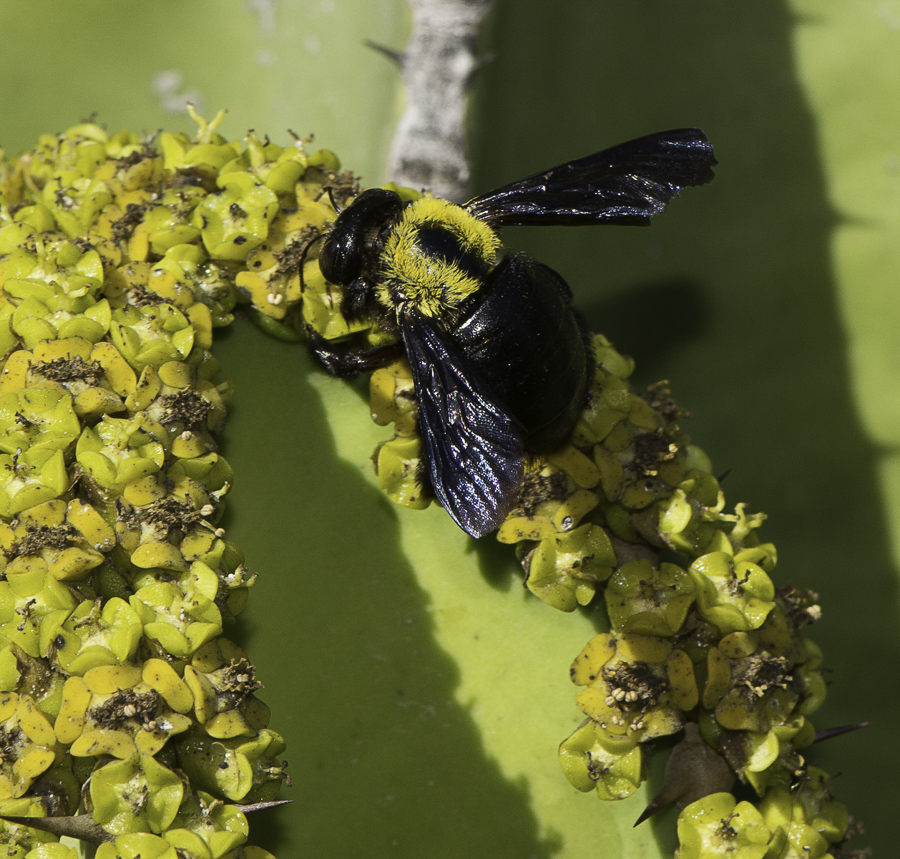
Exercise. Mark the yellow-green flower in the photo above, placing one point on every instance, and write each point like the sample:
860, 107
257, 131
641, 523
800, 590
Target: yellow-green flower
637, 686
94, 374
207, 828
565, 569
810, 804
733, 592
151, 334
119, 450
39, 420
98, 633
20, 672
52, 850
19, 841
648, 600
33, 607
551, 501
123, 710
67, 539
235, 221
29, 478
27, 744
689, 520
153, 534
137, 845
717, 826
594, 759
222, 682
240, 768
55, 285
398, 464
765, 758
182, 615
137, 794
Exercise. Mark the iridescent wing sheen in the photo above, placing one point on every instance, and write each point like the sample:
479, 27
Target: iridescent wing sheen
474, 448
626, 184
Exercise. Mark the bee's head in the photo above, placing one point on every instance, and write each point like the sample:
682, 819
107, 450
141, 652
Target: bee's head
356, 238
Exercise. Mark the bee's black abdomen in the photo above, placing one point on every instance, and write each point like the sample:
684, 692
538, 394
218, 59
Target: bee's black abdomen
529, 346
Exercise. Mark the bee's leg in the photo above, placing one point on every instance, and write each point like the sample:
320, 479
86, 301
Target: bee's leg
359, 301
348, 361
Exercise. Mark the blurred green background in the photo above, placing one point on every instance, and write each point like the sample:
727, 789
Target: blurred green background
421, 690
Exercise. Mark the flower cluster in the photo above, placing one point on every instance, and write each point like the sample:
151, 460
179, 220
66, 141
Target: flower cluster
699, 633
119, 695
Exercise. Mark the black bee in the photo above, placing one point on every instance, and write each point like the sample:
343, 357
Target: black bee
500, 359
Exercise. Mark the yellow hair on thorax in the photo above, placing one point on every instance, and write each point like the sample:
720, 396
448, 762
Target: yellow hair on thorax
433, 285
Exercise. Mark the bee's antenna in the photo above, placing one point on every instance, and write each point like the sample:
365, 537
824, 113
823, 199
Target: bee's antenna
329, 190
334, 204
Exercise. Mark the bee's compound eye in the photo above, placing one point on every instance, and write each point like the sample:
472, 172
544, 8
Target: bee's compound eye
338, 261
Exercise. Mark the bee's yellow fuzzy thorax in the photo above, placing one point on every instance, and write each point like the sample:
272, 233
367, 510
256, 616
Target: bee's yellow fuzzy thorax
434, 283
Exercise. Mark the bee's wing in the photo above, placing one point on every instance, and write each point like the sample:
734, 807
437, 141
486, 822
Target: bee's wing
626, 184
474, 448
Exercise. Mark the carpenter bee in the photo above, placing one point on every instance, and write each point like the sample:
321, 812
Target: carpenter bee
500, 359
